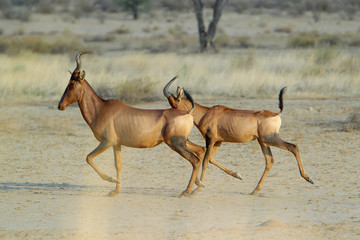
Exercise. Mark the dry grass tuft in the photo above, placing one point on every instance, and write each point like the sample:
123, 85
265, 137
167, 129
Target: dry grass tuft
352, 123
38, 43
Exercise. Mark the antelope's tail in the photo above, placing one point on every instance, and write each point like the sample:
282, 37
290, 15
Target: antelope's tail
281, 101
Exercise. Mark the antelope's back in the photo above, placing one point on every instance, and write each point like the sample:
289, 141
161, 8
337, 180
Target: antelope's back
230, 125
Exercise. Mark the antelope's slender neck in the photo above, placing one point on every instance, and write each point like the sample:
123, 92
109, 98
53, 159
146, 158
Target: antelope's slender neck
90, 104
199, 112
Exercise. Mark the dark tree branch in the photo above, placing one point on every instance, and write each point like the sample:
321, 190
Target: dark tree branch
198, 5
206, 38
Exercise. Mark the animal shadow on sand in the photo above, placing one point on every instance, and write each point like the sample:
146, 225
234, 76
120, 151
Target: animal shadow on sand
49, 188
74, 189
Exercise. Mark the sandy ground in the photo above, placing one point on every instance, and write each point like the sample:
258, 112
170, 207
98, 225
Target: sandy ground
47, 190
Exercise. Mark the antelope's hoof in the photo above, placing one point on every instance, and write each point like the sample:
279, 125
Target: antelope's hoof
254, 192
199, 183
237, 175
197, 190
309, 180
184, 194
113, 193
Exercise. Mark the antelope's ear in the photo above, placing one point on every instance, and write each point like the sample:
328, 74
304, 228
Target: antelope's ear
82, 76
70, 72
179, 92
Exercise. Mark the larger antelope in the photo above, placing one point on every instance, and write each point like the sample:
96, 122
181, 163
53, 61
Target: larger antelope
220, 124
114, 124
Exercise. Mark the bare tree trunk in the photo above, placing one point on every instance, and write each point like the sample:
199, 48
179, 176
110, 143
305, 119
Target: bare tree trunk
198, 5
207, 37
134, 9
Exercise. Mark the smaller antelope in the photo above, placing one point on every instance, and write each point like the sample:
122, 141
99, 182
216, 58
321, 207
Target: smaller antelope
114, 123
223, 124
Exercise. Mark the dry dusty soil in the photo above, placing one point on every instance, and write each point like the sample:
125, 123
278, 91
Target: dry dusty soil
48, 191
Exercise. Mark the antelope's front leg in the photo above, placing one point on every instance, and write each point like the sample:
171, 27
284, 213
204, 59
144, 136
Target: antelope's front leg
103, 146
118, 165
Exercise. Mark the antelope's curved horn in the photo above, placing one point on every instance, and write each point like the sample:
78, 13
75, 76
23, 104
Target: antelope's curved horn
166, 88
78, 60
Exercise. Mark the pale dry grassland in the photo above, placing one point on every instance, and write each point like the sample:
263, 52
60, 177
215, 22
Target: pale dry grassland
248, 73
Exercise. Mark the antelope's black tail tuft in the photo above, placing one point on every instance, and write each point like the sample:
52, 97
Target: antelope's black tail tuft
281, 101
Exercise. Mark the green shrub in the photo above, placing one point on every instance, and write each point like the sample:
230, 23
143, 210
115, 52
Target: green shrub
315, 39
354, 41
329, 40
84, 6
176, 30
284, 29
21, 13
101, 38
176, 5
171, 30
46, 7
303, 40
222, 40
122, 30
135, 7
242, 42
65, 45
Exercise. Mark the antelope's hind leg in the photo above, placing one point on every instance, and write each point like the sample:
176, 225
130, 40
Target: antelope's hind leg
199, 152
178, 144
269, 160
276, 141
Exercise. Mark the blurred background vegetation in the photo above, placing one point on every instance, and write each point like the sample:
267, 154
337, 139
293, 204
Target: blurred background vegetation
310, 46
175, 37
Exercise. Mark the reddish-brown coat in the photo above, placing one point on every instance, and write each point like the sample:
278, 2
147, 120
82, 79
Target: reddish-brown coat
114, 124
223, 124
